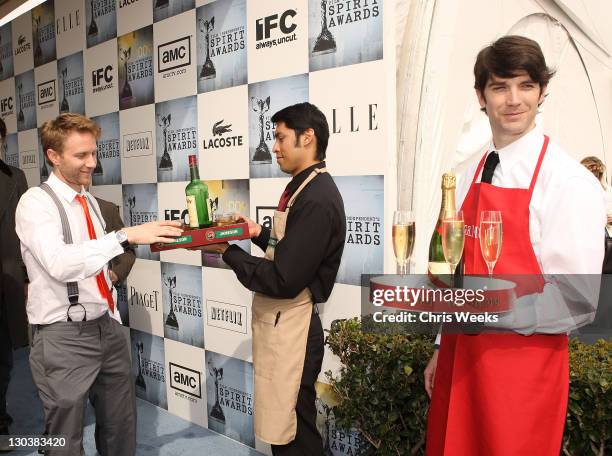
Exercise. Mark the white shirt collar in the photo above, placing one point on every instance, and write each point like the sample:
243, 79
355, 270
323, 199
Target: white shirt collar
525, 146
63, 189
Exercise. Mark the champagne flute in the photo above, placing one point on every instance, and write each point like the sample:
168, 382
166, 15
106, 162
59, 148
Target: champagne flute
490, 235
403, 238
453, 238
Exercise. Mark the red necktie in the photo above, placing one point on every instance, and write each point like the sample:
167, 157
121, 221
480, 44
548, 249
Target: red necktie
284, 200
102, 285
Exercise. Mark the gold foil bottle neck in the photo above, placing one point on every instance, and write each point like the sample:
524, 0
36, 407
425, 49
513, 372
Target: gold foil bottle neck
449, 181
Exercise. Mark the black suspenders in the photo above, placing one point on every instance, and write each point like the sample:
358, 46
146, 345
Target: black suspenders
72, 287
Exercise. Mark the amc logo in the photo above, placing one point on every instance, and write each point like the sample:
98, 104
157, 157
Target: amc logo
264, 215
173, 55
46, 92
187, 380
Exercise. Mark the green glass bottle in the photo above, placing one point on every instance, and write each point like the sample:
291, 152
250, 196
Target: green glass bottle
197, 196
437, 263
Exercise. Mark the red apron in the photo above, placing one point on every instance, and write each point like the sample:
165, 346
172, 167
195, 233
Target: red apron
500, 394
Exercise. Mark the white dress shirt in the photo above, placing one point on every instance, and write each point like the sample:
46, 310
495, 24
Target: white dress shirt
567, 214
51, 263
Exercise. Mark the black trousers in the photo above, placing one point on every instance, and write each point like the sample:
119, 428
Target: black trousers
6, 365
308, 441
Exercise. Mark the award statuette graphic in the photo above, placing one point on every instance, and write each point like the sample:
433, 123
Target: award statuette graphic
20, 116
1, 67
217, 411
171, 321
131, 202
37, 50
140, 381
325, 42
165, 162
93, 27
98, 171
64, 107
161, 4
262, 152
208, 69
44, 172
126, 91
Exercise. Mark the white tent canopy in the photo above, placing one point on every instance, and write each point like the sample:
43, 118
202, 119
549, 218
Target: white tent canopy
440, 125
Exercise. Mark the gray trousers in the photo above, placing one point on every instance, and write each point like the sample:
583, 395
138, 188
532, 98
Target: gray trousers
72, 361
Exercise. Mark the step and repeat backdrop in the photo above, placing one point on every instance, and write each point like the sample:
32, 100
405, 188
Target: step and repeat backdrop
169, 78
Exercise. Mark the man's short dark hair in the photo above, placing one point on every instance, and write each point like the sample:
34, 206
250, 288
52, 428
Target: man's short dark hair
507, 57
2, 130
302, 116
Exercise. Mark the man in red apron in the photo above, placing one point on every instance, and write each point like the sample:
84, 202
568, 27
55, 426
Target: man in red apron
302, 257
506, 394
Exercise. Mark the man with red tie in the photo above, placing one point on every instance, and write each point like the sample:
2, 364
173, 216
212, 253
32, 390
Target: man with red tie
506, 394
77, 345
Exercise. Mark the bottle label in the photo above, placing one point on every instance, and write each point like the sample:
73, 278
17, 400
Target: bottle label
193, 211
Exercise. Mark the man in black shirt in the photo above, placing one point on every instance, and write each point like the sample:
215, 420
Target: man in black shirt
303, 253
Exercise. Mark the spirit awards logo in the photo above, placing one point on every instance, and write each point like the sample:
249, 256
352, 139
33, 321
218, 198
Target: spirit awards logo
208, 69
92, 30
37, 49
170, 283
102, 79
68, 22
22, 45
175, 139
6, 106
262, 152
186, 382
227, 316
217, 412
343, 13
46, 93
108, 149
285, 24
136, 218
363, 230
64, 107
26, 101
221, 138
325, 42
165, 163
137, 144
27, 159
126, 91
173, 56
140, 381
355, 119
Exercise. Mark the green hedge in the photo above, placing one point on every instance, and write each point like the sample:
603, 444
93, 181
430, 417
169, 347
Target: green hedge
381, 392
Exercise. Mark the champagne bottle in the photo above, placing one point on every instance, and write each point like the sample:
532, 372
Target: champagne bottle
197, 196
437, 263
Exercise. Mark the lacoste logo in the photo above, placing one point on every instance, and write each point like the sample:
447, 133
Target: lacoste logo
219, 129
